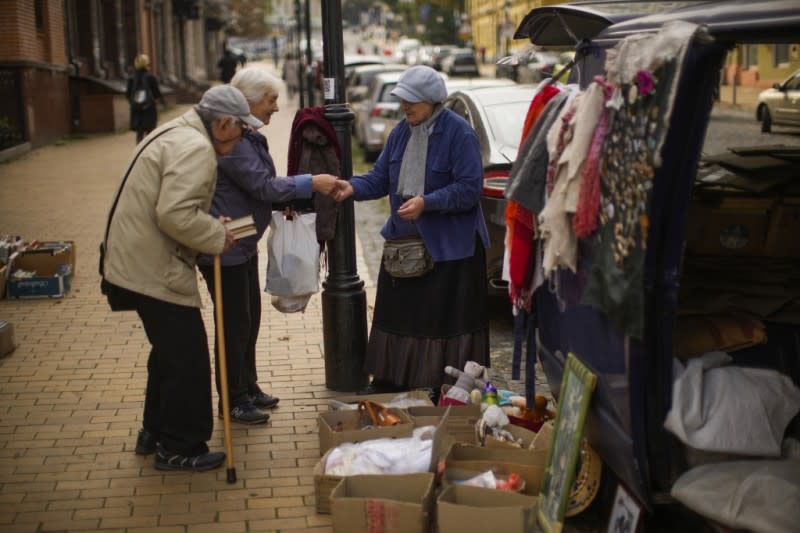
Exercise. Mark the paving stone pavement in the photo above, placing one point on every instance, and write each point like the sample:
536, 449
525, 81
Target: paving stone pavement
71, 395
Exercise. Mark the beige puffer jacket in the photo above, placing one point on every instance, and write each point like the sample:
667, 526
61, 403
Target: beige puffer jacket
162, 221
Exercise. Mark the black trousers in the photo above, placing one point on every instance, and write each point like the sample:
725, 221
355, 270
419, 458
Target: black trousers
241, 315
177, 404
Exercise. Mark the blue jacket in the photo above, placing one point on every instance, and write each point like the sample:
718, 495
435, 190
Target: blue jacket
453, 184
247, 185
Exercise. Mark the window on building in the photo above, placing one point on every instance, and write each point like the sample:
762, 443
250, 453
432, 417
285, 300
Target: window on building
38, 14
750, 55
780, 54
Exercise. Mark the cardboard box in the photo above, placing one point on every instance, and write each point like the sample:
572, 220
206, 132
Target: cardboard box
325, 483
7, 342
460, 423
458, 476
3, 274
728, 229
383, 399
390, 504
784, 227
337, 427
460, 508
54, 265
523, 436
527, 464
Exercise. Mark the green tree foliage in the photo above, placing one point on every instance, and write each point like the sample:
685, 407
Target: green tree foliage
248, 18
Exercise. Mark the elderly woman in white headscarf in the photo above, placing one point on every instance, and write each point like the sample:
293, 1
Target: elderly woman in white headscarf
427, 318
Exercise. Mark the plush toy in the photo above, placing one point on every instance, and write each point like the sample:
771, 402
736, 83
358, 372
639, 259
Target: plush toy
538, 413
472, 377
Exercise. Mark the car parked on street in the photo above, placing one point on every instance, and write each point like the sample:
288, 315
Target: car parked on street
438, 54
357, 86
406, 48
452, 85
780, 105
702, 241
372, 113
377, 114
460, 62
533, 66
359, 79
497, 115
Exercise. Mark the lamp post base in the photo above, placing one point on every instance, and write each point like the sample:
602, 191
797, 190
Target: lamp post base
345, 338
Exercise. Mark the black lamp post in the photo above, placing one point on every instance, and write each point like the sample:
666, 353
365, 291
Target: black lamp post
344, 303
309, 54
299, 54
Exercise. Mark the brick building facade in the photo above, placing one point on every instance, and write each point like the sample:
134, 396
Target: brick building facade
64, 63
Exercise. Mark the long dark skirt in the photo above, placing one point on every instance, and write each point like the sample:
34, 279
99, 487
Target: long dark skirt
420, 325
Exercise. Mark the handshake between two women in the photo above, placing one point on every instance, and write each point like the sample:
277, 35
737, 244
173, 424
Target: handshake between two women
340, 190
332, 186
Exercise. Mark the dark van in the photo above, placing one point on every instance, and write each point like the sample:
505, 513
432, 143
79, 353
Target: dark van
719, 245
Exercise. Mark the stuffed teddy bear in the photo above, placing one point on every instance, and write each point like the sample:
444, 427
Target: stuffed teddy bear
473, 376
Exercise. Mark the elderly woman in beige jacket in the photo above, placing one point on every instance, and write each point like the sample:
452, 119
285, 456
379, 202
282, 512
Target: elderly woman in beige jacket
160, 224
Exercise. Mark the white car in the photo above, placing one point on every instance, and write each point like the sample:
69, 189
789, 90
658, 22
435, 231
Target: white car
780, 104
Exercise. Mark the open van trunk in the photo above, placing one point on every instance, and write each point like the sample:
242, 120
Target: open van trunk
705, 243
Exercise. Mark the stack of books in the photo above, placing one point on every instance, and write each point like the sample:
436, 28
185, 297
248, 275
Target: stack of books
242, 227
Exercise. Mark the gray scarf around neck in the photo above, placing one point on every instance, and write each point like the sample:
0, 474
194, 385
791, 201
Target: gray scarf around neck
412, 169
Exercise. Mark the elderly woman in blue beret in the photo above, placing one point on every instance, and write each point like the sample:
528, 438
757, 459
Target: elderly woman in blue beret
427, 314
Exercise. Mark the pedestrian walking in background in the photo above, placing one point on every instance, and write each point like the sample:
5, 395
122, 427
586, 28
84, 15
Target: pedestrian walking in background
431, 170
291, 74
227, 65
247, 184
276, 53
142, 93
160, 224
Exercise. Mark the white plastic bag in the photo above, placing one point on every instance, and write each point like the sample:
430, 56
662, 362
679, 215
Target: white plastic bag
293, 261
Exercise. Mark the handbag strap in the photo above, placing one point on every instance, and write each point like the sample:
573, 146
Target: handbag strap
125, 179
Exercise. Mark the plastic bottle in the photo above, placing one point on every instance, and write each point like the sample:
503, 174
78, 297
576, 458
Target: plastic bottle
490, 394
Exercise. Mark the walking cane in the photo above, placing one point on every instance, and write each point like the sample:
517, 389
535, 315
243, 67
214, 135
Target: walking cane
222, 371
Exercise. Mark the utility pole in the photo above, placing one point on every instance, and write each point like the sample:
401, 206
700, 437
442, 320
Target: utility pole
300, 71
309, 55
344, 302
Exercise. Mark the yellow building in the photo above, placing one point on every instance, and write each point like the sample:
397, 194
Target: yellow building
494, 22
761, 65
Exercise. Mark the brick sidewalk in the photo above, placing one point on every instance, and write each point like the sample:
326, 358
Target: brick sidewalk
72, 392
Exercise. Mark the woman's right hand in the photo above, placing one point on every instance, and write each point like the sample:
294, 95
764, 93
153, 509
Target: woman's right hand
324, 183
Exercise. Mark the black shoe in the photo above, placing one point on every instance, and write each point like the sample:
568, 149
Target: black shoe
246, 413
174, 461
264, 400
145, 443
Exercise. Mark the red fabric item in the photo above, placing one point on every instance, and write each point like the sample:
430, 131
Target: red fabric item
520, 227
521, 223
521, 257
536, 107
303, 117
584, 223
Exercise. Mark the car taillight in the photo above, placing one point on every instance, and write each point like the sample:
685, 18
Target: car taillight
381, 111
495, 183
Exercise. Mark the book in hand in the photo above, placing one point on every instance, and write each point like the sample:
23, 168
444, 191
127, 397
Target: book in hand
242, 227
